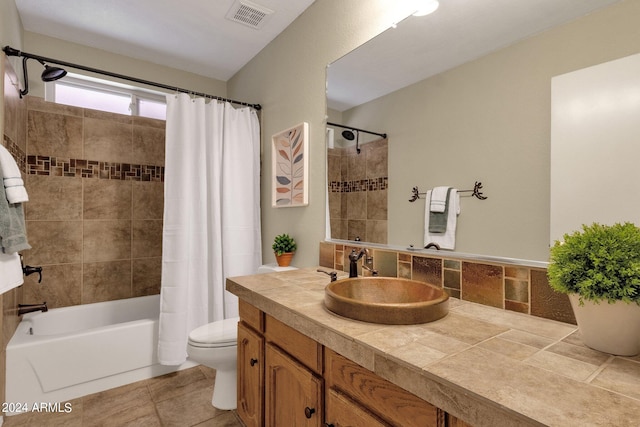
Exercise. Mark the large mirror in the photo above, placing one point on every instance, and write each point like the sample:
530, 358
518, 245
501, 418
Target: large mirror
464, 96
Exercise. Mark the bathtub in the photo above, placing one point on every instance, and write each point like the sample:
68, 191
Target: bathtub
70, 352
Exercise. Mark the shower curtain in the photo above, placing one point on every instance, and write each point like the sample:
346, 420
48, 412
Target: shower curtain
211, 215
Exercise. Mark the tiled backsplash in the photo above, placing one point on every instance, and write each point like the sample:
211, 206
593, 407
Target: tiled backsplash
503, 285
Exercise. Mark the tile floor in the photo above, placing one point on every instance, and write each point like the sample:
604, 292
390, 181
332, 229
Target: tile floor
181, 399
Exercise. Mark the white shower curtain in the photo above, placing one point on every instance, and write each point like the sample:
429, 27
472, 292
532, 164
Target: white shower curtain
211, 215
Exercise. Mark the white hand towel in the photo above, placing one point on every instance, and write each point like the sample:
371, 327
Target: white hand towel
10, 271
438, 199
13, 183
446, 240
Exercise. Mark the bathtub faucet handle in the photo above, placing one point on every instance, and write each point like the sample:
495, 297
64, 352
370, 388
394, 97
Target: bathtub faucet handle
27, 270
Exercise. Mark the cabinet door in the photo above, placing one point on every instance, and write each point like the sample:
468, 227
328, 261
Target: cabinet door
250, 376
340, 411
293, 394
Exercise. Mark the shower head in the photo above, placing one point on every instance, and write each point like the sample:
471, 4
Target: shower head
348, 135
51, 74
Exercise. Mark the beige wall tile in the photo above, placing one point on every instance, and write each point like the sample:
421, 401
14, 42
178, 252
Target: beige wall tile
148, 200
106, 199
146, 276
107, 141
53, 198
50, 134
106, 240
54, 242
106, 281
148, 145
147, 238
377, 204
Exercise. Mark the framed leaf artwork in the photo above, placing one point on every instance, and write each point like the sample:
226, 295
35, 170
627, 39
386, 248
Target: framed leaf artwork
290, 167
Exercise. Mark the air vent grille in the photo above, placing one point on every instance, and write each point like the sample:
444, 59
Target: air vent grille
249, 14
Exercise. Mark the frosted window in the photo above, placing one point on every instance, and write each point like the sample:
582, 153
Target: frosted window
152, 109
96, 100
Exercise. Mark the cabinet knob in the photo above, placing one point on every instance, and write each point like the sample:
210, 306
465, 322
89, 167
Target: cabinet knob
328, 425
308, 412
253, 361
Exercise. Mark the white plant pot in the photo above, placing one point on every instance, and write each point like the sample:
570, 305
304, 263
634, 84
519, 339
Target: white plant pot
610, 328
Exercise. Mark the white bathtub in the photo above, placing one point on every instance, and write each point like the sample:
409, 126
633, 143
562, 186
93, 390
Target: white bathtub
70, 352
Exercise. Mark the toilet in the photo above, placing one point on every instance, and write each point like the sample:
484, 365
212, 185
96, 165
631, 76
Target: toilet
215, 345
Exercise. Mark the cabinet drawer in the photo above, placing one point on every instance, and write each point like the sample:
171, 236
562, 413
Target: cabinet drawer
341, 411
251, 315
401, 408
300, 346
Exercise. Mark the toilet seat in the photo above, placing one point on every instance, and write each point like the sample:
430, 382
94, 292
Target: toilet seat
223, 333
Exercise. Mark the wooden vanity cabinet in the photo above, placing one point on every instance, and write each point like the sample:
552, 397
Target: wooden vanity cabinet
287, 379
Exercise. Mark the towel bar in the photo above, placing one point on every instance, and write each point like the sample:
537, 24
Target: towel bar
475, 192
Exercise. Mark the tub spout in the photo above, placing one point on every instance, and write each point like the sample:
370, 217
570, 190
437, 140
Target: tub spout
29, 308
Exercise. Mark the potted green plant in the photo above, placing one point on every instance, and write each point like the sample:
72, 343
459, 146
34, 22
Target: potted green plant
599, 268
284, 246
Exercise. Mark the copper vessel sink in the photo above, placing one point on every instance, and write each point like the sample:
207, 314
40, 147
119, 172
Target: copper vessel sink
386, 300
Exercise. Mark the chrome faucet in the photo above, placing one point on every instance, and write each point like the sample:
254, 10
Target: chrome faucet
354, 257
29, 308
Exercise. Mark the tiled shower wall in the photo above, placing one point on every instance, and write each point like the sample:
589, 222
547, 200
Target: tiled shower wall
507, 286
94, 218
358, 192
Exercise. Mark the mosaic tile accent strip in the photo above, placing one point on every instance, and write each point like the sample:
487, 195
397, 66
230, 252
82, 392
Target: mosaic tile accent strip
369, 184
55, 166
16, 152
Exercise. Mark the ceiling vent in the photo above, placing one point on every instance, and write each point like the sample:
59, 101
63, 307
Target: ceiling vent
249, 14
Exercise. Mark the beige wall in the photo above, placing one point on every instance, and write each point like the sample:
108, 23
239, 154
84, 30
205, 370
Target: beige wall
487, 120
288, 79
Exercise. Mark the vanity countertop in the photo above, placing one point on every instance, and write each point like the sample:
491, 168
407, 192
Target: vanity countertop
484, 365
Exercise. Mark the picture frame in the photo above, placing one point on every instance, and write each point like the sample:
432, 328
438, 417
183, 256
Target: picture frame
290, 167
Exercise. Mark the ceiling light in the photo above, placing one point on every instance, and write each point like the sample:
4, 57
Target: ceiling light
426, 7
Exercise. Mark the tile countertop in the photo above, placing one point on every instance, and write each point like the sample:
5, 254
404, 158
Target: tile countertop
487, 366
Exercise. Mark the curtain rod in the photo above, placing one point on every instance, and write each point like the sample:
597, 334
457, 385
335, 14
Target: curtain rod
383, 135
9, 51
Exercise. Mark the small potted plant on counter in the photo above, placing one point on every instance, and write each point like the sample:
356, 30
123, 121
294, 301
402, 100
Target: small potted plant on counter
284, 247
599, 268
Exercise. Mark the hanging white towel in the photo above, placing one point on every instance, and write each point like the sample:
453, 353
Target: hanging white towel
10, 272
12, 181
438, 199
446, 240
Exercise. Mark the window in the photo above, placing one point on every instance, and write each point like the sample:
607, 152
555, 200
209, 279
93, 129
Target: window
98, 94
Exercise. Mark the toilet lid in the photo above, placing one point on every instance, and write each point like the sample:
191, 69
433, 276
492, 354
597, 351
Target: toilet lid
222, 332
